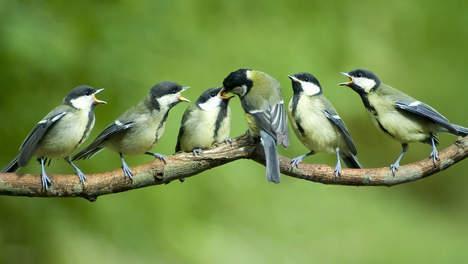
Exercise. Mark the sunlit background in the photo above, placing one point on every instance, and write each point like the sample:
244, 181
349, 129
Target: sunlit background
231, 214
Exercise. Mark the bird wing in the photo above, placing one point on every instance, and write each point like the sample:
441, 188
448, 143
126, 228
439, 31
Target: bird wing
273, 121
338, 122
115, 128
424, 111
29, 145
181, 129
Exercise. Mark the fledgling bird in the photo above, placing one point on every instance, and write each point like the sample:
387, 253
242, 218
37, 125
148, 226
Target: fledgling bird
399, 115
139, 128
59, 133
205, 123
317, 124
261, 99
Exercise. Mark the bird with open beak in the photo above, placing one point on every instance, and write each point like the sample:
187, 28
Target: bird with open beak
60, 133
399, 115
139, 128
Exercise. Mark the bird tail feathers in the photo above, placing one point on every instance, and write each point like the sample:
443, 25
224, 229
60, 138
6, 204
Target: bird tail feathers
87, 153
352, 161
460, 131
12, 166
271, 157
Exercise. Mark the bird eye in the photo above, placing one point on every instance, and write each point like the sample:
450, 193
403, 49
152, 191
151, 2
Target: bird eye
89, 92
359, 74
213, 94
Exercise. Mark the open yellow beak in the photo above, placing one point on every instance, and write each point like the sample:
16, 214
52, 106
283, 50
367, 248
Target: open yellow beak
349, 82
225, 95
181, 98
97, 101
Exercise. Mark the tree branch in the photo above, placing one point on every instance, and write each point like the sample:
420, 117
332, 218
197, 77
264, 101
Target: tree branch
183, 165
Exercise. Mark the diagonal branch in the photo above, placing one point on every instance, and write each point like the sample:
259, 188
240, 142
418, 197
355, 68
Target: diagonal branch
183, 165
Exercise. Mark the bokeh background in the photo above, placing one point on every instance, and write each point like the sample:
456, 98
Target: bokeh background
231, 214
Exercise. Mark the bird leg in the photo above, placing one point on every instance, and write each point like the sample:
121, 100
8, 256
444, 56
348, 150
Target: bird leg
297, 160
394, 166
46, 182
197, 152
157, 156
125, 168
338, 163
434, 153
77, 170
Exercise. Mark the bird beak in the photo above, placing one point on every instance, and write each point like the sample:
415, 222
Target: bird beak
348, 83
224, 94
292, 78
97, 101
181, 98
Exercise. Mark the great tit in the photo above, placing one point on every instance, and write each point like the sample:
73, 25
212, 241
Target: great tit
205, 123
59, 133
139, 128
399, 115
317, 124
261, 99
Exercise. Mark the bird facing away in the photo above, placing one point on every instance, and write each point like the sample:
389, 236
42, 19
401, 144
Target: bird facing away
59, 133
139, 128
399, 115
317, 124
261, 99
205, 123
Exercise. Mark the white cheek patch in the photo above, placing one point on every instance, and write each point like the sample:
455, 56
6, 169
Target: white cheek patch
82, 102
211, 104
310, 88
364, 83
169, 99
240, 90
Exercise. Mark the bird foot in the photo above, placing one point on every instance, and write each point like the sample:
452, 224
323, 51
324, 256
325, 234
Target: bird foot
160, 157
296, 161
394, 168
45, 180
127, 171
434, 156
81, 175
197, 152
228, 141
338, 170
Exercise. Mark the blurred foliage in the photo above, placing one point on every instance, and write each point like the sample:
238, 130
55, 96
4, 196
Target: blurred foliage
231, 214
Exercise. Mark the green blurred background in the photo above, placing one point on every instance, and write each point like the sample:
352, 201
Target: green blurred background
231, 214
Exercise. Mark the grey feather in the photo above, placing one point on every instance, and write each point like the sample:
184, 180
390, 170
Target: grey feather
181, 129
461, 131
351, 161
111, 130
273, 121
30, 144
426, 112
12, 166
338, 122
271, 157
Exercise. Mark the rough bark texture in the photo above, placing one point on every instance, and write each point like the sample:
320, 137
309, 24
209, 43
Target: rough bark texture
183, 165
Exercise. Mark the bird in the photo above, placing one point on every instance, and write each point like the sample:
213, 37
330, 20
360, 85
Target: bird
399, 115
261, 99
139, 128
60, 133
317, 124
205, 123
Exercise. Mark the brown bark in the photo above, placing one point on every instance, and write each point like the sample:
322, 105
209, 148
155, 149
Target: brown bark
183, 165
